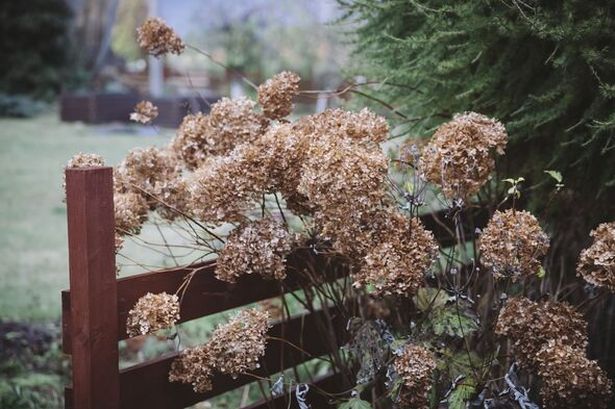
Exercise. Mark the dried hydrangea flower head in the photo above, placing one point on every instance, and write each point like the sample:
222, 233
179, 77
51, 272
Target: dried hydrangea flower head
234, 121
85, 160
148, 172
223, 188
459, 157
193, 366
570, 380
341, 176
130, 212
530, 325
513, 244
362, 126
82, 160
276, 95
194, 140
238, 344
597, 262
157, 38
152, 312
256, 247
397, 265
144, 112
415, 365
234, 348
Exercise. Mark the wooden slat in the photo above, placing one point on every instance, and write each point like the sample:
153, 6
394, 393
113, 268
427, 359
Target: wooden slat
331, 382
147, 386
93, 300
207, 295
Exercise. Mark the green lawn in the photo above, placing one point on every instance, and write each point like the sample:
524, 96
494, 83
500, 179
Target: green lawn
33, 243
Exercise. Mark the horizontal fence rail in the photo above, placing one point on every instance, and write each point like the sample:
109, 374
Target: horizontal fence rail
95, 309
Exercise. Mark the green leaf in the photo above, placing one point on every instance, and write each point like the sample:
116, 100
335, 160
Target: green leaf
452, 322
541, 272
555, 175
428, 297
355, 403
461, 394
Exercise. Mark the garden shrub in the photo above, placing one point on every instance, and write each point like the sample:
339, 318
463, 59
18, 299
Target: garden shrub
427, 325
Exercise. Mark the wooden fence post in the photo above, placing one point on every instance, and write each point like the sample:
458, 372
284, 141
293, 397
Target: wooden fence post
93, 288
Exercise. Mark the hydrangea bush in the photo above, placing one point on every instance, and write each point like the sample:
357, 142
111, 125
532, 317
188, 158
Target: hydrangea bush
434, 326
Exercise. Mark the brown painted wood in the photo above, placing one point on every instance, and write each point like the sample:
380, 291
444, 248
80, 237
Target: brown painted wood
93, 297
207, 295
146, 385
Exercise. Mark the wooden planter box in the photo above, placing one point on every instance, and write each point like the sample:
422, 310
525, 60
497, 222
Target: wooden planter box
98, 108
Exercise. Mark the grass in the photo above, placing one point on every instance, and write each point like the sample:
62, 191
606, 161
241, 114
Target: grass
33, 238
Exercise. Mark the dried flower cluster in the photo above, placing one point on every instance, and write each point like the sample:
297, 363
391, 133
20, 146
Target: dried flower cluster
85, 160
459, 157
276, 95
550, 339
82, 160
152, 312
597, 263
153, 173
512, 244
532, 324
415, 366
234, 348
234, 121
397, 265
256, 247
569, 379
230, 123
144, 112
130, 212
225, 187
157, 38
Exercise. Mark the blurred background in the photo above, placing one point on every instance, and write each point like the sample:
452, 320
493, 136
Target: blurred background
71, 74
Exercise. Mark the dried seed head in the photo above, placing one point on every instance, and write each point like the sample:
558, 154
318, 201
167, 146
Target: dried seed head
225, 187
144, 112
277, 93
194, 140
415, 365
234, 348
149, 172
152, 312
459, 157
512, 244
398, 264
570, 380
237, 345
85, 160
157, 38
234, 121
256, 247
193, 366
82, 160
344, 180
130, 212
597, 262
530, 325
361, 126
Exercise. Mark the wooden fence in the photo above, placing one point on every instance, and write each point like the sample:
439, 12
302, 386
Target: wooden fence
95, 309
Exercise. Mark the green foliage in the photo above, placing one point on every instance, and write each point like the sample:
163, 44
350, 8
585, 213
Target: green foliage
428, 298
454, 319
355, 403
33, 47
545, 69
461, 394
453, 322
